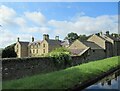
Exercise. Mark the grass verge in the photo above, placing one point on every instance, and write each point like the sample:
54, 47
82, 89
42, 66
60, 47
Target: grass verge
65, 78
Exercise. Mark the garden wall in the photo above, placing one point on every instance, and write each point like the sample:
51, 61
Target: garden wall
15, 68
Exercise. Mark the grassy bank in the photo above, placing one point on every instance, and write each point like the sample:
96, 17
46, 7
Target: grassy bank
65, 78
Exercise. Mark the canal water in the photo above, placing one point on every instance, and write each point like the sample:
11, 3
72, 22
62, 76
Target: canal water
110, 82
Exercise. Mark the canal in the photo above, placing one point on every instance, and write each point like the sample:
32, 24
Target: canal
111, 82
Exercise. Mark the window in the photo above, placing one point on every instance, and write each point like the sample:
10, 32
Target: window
43, 45
43, 50
37, 50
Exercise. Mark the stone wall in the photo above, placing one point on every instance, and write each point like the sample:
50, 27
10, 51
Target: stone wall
16, 68
20, 67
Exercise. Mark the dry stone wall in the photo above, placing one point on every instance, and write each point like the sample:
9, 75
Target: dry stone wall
15, 68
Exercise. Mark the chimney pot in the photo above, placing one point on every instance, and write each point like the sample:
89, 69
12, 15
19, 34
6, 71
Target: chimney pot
32, 39
56, 37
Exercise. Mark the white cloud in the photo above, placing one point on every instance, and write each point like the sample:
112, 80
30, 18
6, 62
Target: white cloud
5, 11
31, 23
7, 37
86, 25
6, 15
20, 21
36, 17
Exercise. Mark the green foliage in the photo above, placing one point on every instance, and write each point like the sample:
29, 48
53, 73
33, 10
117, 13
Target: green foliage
61, 57
71, 37
83, 37
9, 52
64, 78
61, 49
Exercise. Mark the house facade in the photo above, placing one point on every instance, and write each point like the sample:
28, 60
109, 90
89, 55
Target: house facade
38, 48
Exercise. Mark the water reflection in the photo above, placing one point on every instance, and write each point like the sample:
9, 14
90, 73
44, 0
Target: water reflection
109, 82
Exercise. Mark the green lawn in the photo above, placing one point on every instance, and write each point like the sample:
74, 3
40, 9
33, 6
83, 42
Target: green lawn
65, 78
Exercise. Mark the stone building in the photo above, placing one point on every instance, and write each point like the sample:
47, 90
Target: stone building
98, 46
110, 43
92, 50
38, 48
21, 48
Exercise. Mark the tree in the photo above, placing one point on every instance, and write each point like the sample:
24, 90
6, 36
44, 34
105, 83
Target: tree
9, 52
71, 37
83, 37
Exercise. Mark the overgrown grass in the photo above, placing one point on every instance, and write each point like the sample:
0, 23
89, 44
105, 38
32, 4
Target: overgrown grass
65, 78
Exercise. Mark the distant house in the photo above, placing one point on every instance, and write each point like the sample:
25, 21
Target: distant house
92, 50
21, 49
110, 43
98, 46
37, 48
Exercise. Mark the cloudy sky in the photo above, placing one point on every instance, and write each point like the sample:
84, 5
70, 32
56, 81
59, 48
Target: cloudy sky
25, 19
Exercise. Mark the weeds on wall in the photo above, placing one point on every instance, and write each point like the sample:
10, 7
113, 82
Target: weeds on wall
61, 57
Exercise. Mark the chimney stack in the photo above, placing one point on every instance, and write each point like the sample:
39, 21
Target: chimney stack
107, 32
32, 39
18, 39
56, 37
45, 37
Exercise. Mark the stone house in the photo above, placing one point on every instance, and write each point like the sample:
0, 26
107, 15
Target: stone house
38, 48
92, 50
21, 49
97, 46
110, 43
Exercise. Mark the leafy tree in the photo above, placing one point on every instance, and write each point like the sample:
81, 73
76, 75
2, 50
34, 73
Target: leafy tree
83, 37
9, 52
71, 37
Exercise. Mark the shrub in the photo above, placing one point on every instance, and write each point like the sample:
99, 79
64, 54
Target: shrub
9, 52
61, 57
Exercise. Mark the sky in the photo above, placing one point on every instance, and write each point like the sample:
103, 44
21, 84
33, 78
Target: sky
27, 19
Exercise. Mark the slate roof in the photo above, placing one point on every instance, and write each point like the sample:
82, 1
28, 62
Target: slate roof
76, 51
104, 37
90, 44
34, 43
113, 38
53, 42
24, 43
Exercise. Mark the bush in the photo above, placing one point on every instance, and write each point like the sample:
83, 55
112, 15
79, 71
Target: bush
61, 49
9, 52
61, 57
